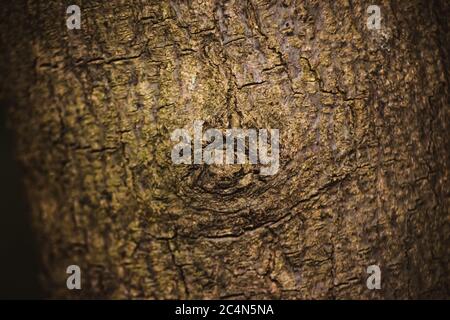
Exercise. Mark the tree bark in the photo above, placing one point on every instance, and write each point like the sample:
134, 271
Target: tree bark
364, 162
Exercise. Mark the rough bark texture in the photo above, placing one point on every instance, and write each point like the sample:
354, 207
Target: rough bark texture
364, 124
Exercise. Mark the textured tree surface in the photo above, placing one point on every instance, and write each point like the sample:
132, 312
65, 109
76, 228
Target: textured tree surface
364, 136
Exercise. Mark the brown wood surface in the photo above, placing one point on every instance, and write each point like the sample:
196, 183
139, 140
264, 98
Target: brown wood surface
364, 162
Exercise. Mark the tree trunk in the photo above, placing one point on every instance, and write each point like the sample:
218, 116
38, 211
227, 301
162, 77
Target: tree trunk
364, 135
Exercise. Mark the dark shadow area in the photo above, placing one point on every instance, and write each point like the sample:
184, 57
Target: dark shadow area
18, 254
